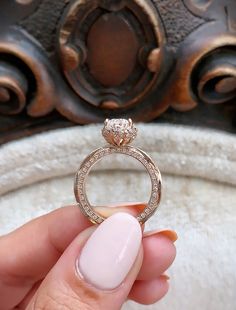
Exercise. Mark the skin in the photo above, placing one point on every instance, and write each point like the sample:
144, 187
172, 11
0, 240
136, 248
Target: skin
37, 265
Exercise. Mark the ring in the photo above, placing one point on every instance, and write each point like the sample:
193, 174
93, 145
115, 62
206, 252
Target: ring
119, 133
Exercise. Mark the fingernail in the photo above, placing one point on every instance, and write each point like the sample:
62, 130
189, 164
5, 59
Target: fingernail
170, 234
132, 208
165, 277
111, 251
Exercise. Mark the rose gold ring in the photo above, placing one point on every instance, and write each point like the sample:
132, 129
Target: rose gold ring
118, 133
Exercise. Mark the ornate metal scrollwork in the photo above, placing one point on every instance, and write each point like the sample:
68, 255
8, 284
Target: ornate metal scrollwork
205, 69
111, 52
29, 73
82, 61
214, 79
13, 89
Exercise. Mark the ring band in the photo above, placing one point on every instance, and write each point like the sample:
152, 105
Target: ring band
119, 133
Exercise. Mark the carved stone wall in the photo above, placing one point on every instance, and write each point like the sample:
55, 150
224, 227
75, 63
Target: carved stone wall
65, 62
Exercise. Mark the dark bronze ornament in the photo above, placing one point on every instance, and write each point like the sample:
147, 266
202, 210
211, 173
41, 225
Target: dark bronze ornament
28, 68
65, 62
112, 52
13, 89
208, 66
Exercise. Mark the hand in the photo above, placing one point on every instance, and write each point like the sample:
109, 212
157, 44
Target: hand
62, 261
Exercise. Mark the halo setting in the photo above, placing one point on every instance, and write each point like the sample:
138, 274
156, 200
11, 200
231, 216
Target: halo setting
119, 132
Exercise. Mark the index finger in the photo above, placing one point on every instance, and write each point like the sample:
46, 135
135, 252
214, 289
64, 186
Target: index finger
29, 252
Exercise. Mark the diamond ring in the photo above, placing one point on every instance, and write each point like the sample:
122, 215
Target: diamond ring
119, 133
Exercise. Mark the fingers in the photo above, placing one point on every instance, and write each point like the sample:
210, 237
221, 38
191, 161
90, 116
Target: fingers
159, 254
97, 270
149, 292
24, 303
27, 254
155, 286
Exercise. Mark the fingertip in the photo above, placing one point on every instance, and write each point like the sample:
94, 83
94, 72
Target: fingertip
149, 292
161, 246
65, 224
159, 254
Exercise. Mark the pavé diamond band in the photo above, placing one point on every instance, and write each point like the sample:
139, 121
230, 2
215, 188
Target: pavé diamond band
118, 133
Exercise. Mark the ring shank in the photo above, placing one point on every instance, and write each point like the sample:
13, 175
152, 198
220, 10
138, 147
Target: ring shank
97, 155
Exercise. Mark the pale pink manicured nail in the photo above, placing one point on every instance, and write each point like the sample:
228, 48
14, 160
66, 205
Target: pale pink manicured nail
111, 251
170, 234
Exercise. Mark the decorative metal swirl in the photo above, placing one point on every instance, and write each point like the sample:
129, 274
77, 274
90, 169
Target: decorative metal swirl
13, 89
178, 55
208, 75
25, 75
215, 76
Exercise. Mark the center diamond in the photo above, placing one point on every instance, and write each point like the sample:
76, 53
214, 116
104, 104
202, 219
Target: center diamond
119, 132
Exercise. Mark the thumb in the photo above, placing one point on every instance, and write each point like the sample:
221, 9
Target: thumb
97, 270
